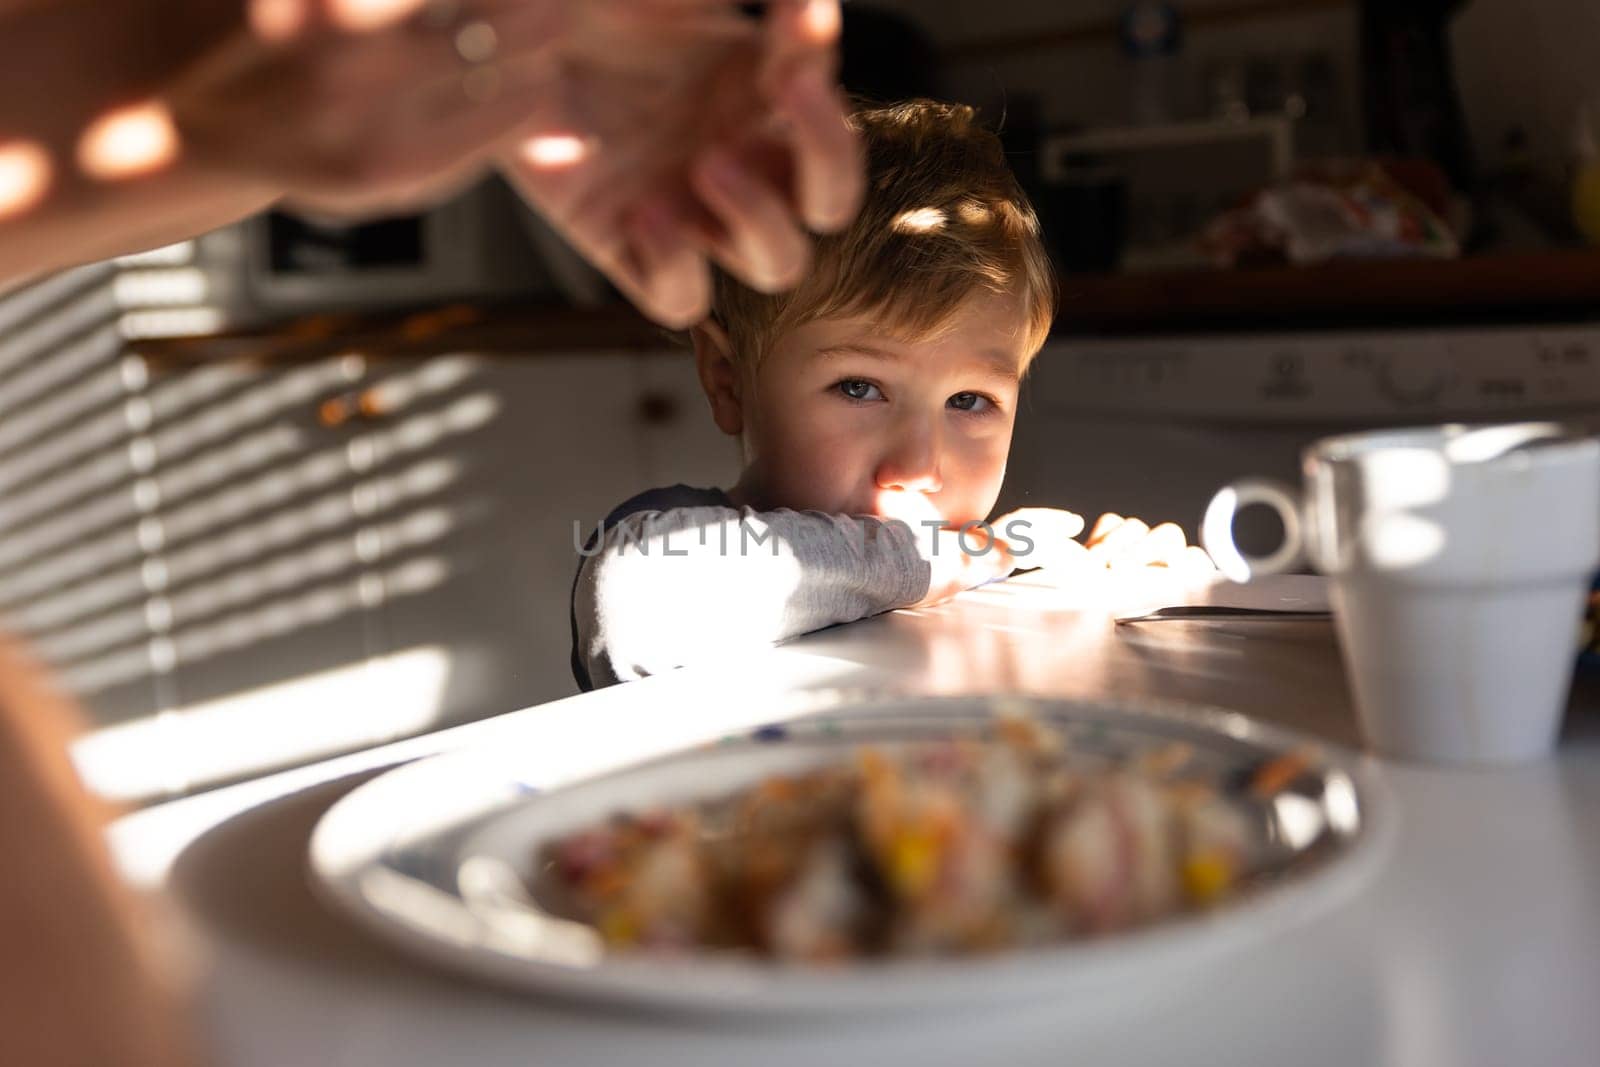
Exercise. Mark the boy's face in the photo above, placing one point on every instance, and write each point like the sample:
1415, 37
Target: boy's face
843, 417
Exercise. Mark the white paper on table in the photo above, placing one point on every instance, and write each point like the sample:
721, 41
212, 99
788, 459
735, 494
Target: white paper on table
1133, 593
1281, 592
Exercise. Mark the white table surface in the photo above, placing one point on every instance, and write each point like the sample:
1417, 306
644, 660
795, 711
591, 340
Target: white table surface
1478, 942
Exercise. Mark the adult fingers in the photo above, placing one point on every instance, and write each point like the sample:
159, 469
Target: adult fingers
655, 265
648, 253
669, 280
799, 78
760, 242
830, 174
799, 34
359, 15
278, 21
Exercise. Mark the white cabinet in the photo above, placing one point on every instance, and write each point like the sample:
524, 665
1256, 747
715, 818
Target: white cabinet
679, 442
572, 437
250, 614
319, 558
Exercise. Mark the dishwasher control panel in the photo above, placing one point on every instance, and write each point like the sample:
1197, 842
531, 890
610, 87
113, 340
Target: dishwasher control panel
1468, 373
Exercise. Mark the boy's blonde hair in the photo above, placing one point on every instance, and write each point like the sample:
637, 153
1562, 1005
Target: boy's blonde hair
944, 220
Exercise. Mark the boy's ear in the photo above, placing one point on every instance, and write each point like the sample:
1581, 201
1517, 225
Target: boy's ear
719, 375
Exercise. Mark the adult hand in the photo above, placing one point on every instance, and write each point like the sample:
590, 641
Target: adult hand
684, 133
75, 936
355, 107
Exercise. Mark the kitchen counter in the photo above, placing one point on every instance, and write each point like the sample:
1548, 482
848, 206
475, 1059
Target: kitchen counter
1477, 942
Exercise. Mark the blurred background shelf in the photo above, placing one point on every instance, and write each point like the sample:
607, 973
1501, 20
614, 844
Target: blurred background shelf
1106, 30
1544, 286
1561, 285
482, 329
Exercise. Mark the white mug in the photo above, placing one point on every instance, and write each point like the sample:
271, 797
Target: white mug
1459, 560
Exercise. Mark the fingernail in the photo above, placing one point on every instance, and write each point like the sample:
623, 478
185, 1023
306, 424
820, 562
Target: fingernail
821, 20
829, 213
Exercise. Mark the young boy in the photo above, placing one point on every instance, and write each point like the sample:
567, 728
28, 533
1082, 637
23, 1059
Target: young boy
874, 405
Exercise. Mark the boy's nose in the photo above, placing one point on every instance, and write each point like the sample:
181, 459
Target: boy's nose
912, 466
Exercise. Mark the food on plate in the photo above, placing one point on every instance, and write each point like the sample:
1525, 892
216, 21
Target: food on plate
944, 847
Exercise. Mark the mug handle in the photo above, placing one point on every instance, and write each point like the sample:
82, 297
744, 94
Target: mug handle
1216, 530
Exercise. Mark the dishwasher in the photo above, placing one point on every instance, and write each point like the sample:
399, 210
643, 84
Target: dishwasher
1153, 425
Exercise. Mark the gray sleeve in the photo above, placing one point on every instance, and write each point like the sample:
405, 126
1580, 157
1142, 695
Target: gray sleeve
665, 589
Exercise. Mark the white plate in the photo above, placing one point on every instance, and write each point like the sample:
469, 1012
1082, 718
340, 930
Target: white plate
436, 856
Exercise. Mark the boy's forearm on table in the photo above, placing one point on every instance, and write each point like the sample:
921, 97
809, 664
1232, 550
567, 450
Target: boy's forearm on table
742, 558
679, 585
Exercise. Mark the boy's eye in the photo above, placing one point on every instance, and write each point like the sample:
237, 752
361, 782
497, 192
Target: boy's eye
856, 389
970, 402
